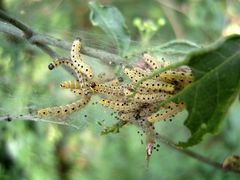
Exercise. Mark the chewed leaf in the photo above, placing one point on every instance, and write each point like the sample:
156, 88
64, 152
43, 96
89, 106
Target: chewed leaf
112, 22
216, 70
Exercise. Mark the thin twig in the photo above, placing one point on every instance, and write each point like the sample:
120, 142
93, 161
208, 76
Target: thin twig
29, 117
195, 155
47, 50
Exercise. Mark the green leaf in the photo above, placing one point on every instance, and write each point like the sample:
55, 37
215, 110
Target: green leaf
112, 22
216, 70
174, 50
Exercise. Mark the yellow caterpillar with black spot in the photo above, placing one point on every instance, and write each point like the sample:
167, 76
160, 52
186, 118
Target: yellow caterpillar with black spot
120, 106
158, 85
169, 111
70, 85
62, 111
67, 63
134, 74
153, 63
78, 62
82, 92
183, 78
115, 90
147, 98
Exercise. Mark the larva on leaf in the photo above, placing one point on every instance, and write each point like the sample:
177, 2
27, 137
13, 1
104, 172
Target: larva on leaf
173, 76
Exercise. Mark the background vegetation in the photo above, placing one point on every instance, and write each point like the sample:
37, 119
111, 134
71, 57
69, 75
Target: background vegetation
37, 150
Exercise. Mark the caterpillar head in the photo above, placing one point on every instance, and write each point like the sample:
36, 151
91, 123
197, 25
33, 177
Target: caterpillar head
51, 66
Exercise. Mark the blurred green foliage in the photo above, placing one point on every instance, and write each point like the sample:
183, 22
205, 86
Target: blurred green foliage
36, 150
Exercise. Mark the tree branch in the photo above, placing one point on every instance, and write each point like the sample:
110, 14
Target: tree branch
19, 30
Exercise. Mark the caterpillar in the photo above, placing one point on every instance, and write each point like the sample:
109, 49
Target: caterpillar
170, 111
143, 90
120, 106
133, 75
75, 57
148, 98
179, 76
153, 63
61, 111
141, 71
158, 85
114, 90
81, 92
70, 85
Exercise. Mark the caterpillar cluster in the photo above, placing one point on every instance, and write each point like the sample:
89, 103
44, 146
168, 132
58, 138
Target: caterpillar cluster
82, 86
139, 106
